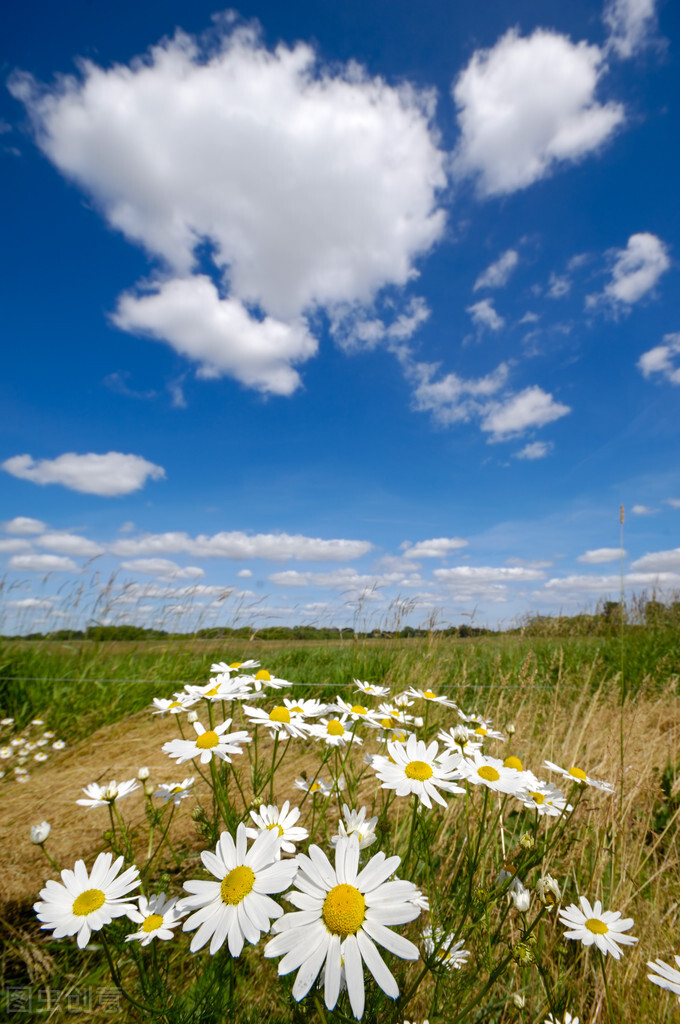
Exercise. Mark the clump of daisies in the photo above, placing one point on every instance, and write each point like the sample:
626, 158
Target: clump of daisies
24, 750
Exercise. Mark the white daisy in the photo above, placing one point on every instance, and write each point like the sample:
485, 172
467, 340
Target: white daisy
209, 743
545, 798
311, 708
39, 833
234, 666
221, 688
5, 752
458, 740
575, 774
413, 767
431, 696
265, 678
342, 914
355, 824
357, 712
100, 796
371, 689
279, 720
157, 916
85, 903
6, 721
317, 786
163, 705
49, 735
491, 772
445, 951
175, 791
665, 976
236, 907
58, 745
593, 925
281, 822
566, 1019
40, 757
334, 732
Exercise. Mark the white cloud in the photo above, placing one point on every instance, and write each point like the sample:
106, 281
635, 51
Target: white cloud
277, 547
70, 544
673, 502
452, 399
659, 561
163, 568
643, 510
12, 545
600, 555
438, 547
534, 450
526, 105
531, 407
219, 334
42, 563
106, 475
339, 579
24, 525
127, 527
558, 286
30, 602
484, 574
306, 186
663, 359
498, 274
484, 315
244, 574
354, 328
601, 585
630, 23
635, 271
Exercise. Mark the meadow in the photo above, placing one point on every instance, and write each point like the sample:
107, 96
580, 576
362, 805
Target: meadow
480, 937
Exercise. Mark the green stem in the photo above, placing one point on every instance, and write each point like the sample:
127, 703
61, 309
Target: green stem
606, 985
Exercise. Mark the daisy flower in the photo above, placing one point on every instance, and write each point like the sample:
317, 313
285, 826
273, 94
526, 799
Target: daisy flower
175, 791
234, 666
445, 951
545, 798
431, 696
357, 712
237, 906
355, 824
39, 833
49, 735
413, 767
575, 774
281, 822
334, 732
343, 914
209, 743
264, 678
163, 705
157, 916
593, 925
311, 708
665, 976
279, 720
40, 757
318, 786
457, 740
100, 796
371, 689
5, 752
567, 1019
85, 903
58, 745
221, 688
7, 721
491, 772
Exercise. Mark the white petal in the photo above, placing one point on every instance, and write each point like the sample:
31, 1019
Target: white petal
376, 965
354, 973
333, 971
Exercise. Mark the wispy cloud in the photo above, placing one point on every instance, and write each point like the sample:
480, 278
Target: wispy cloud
484, 315
663, 359
498, 273
277, 547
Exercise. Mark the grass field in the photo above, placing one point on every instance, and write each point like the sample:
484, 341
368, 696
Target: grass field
561, 697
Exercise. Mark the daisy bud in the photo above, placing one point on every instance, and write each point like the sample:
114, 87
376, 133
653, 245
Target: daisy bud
518, 1000
418, 722
192, 716
461, 734
521, 898
510, 729
522, 955
143, 773
149, 788
39, 833
548, 891
527, 841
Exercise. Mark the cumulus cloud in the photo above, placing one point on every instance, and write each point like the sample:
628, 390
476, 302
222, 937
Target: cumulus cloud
244, 574
663, 359
498, 274
12, 545
635, 271
438, 547
630, 23
338, 579
70, 544
658, 561
600, 555
305, 186
526, 105
643, 510
24, 525
610, 584
558, 286
355, 328
219, 334
483, 574
42, 563
484, 315
276, 547
106, 475
164, 568
532, 407
534, 450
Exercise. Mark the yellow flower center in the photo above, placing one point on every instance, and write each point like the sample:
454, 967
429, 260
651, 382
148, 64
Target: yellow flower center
386, 723
419, 770
152, 922
296, 708
597, 927
513, 762
263, 675
274, 824
481, 731
430, 694
212, 691
175, 704
359, 709
538, 798
179, 788
236, 664
88, 902
280, 714
335, 728
577, 773
344, 910
207, 740
237, 884
488, 773
314, 787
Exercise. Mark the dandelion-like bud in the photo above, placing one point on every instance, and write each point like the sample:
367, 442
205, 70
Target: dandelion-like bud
39, 833
461, 734
143, 773
192, 717
149, 788
198, 814
548, 891
527, 841
510, 729
518, 1000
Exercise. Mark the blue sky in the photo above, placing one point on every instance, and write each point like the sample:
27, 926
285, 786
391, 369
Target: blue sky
332, 313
